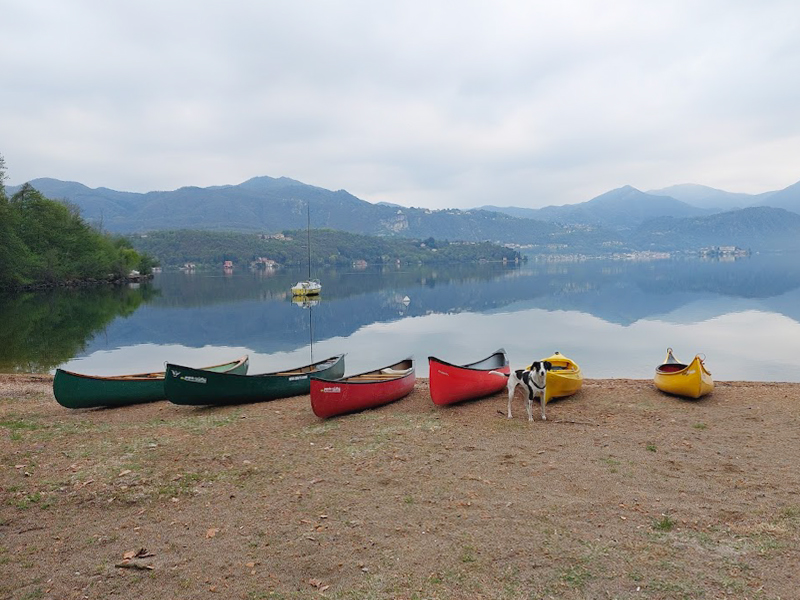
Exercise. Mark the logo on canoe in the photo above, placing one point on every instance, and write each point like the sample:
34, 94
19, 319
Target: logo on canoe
331, 390
298, 377
193, 379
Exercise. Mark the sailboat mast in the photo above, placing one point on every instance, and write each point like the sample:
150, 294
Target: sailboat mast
308, 233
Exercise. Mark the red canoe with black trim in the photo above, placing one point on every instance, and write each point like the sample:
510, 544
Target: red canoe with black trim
331, 397
451, 383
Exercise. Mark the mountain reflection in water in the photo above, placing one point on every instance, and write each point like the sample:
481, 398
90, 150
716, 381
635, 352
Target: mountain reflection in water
615, 318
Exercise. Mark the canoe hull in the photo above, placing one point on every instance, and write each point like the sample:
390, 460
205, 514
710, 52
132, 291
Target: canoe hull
330, 398
689, 381
194, 387
564, 379
451, 383
74, 390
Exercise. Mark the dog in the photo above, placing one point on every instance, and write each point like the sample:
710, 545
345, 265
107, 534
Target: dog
534, 381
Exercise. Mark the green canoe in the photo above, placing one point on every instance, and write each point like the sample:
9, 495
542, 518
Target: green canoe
74, 390
185, 385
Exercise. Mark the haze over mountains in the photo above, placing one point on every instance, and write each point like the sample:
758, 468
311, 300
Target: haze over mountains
625, 219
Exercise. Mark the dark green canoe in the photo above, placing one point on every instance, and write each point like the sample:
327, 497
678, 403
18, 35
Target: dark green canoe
74, 390
185, 385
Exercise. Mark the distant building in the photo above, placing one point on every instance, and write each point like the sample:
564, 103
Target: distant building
265, 263
228, 264
274, 236
723, 251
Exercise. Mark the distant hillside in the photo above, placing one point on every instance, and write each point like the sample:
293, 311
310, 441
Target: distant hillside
176, 248
703, 196
264, 204
788, 198
514, 211
622, 209
757, 228
620, 220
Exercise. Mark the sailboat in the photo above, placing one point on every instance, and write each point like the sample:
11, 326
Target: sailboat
309, 287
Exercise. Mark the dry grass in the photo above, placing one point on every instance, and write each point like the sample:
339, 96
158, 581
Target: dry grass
623, 493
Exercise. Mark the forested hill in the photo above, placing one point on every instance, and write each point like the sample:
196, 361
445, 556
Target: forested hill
46, 243
264, 204
174, 248
757, 228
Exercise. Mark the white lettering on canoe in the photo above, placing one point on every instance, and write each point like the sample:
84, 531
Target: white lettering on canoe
193, 379
298, 377
331, 390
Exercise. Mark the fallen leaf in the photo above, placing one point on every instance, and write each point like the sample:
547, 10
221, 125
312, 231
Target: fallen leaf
129, 554
124, 472
314, 582
211, 532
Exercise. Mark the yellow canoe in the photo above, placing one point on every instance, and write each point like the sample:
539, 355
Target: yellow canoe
564, 377
692, 380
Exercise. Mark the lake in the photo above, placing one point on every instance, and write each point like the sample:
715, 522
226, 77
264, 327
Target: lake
615, 318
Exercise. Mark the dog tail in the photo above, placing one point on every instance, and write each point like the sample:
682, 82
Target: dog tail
506, 375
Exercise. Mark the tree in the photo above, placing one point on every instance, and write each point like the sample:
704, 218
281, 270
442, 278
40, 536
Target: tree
3, 178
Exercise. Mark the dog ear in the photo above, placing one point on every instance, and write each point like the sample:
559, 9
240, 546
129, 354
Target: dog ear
535, 365
548, 365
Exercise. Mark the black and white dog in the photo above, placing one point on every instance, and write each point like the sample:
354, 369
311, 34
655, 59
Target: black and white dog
534, 381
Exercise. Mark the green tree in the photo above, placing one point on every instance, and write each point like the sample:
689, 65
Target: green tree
47, 242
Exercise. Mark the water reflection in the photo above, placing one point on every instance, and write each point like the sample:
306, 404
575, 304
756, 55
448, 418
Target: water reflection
41, 330
615, 318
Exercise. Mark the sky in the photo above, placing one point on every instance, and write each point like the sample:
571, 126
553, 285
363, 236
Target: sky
421, 103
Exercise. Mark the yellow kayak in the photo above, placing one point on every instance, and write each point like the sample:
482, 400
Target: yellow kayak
564, 377
692, 380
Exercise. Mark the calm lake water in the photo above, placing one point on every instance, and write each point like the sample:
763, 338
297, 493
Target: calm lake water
615, 318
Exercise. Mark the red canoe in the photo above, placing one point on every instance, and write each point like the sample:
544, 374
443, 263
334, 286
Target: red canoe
451, 383
331, 397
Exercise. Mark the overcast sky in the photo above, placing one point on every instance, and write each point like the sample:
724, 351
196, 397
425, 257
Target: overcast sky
422, 103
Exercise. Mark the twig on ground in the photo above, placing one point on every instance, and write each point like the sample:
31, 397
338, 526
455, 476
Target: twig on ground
130, 565
575, 422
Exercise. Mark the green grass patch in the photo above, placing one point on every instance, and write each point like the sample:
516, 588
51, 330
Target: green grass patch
203, 423
576, 576
665, 523
20, 425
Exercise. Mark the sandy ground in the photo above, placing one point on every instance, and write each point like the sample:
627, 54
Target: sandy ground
622, 493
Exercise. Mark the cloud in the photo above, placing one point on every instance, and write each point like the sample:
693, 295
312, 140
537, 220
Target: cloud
418, 103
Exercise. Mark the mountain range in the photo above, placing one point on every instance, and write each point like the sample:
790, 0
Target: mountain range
625, 219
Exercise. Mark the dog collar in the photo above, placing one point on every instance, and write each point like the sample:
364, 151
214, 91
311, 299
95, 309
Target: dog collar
539, 388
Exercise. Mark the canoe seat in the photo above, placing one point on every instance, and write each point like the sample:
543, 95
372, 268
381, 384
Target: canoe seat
389, 371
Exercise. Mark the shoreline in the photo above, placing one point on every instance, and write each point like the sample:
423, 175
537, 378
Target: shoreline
623, 492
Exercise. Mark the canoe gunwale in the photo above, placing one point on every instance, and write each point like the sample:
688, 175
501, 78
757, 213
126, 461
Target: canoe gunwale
304, 370
377, 373
156, 375
473, 366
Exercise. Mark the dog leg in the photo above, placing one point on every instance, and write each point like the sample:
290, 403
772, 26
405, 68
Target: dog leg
541, 400
529, 405
512, 386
